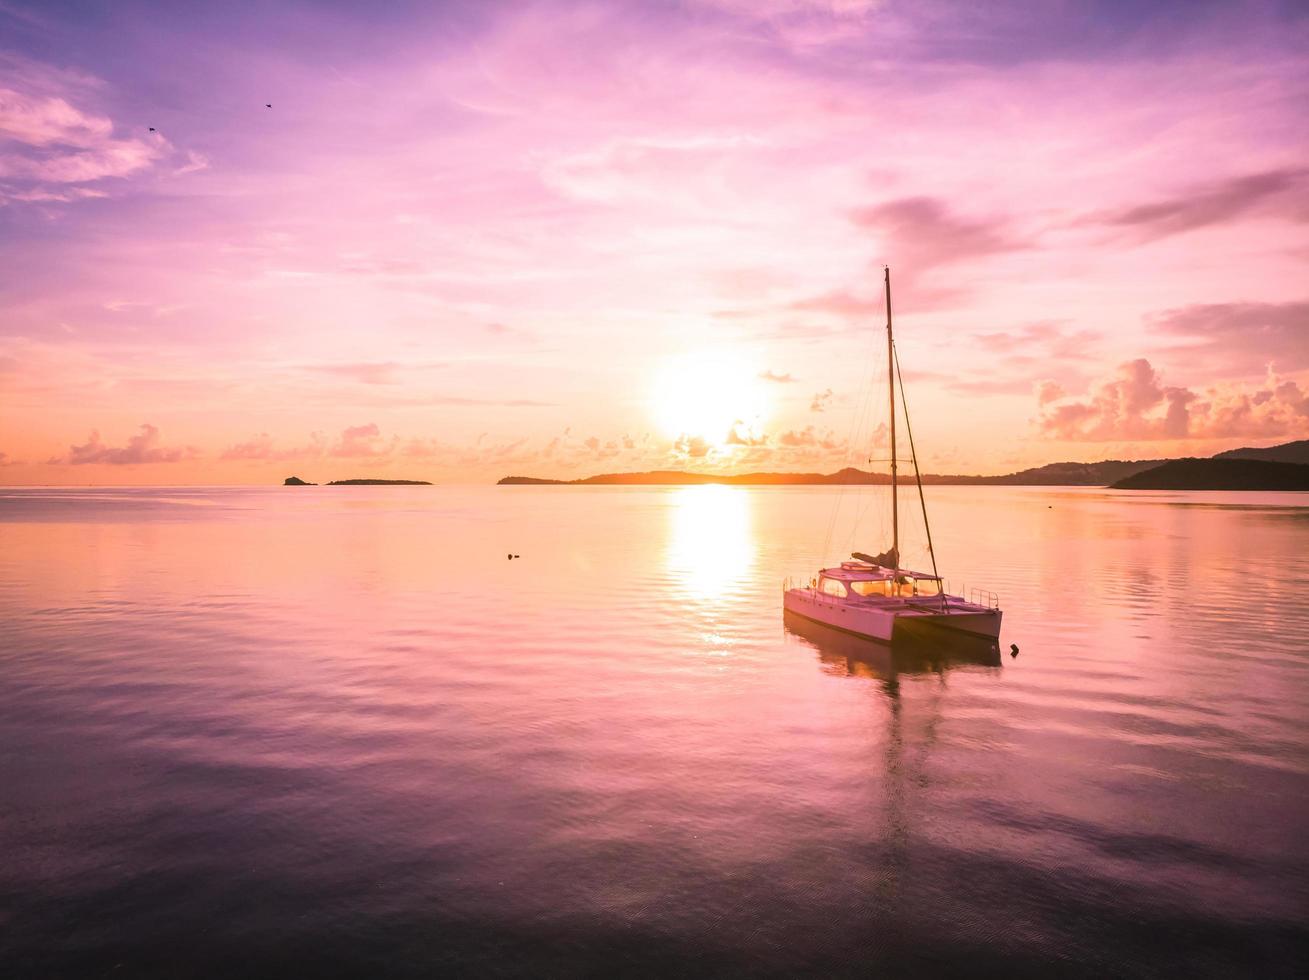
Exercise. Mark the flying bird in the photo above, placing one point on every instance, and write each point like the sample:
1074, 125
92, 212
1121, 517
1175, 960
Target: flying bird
268, 105
152, 129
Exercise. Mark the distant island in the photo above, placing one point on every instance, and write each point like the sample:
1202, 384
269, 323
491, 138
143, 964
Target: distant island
1219, 474
1053, 474
295, 481
379, 483
1111, 472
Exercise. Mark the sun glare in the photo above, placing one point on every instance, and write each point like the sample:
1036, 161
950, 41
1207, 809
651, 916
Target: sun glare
706, 395
711, 544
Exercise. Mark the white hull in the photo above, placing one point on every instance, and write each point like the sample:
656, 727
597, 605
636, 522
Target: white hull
879, 619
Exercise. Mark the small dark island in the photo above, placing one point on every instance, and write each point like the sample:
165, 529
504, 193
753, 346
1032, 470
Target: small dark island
379, 483
295, 481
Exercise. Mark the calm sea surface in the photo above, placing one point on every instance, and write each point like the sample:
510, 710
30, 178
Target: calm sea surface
330, 730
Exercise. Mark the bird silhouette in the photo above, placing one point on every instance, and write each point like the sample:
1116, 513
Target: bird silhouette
1013, 649
268, 105
152, 129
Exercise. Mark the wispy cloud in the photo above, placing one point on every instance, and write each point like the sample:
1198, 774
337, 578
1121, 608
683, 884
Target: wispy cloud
920, 235
811, 438
49, 141
841, 303
1284, 191
364, 372
1241, 335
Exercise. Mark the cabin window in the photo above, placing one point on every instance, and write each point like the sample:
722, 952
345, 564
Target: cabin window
880, 587
834, 587
929, 586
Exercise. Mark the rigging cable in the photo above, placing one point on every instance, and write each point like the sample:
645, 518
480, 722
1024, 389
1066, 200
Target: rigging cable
922, 501
854, 437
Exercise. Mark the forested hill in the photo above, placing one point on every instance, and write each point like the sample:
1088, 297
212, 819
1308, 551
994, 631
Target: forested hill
1104, 473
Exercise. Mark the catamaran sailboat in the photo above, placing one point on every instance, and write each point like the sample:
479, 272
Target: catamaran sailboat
871, 596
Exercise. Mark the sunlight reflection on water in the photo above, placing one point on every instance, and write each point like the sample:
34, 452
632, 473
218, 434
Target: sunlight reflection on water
711, 549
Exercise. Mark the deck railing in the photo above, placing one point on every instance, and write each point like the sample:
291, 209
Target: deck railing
978, 597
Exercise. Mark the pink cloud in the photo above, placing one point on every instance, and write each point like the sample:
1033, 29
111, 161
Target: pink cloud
367, 372
1135, 405
841, 303
1048, 391
262, 447
141, 448
53, 142
361, 440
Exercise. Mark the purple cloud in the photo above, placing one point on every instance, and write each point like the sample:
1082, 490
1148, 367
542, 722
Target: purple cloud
925, 232
1246, 335
1215, 203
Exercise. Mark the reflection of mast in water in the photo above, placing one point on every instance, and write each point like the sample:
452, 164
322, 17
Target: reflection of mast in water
856, 657
903, 773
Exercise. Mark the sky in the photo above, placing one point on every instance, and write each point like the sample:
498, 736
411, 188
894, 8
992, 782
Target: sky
459, 241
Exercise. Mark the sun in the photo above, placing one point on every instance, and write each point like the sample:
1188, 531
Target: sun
708, 394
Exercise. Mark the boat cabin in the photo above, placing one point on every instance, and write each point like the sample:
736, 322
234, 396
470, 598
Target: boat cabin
857, 579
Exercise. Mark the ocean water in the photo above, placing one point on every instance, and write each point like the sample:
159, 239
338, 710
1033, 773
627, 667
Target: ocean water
335, 731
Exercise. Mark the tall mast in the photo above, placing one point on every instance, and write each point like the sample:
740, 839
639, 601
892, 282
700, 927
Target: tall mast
890, 384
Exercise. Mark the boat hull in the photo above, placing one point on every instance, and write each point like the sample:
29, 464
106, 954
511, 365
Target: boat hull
881, 623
